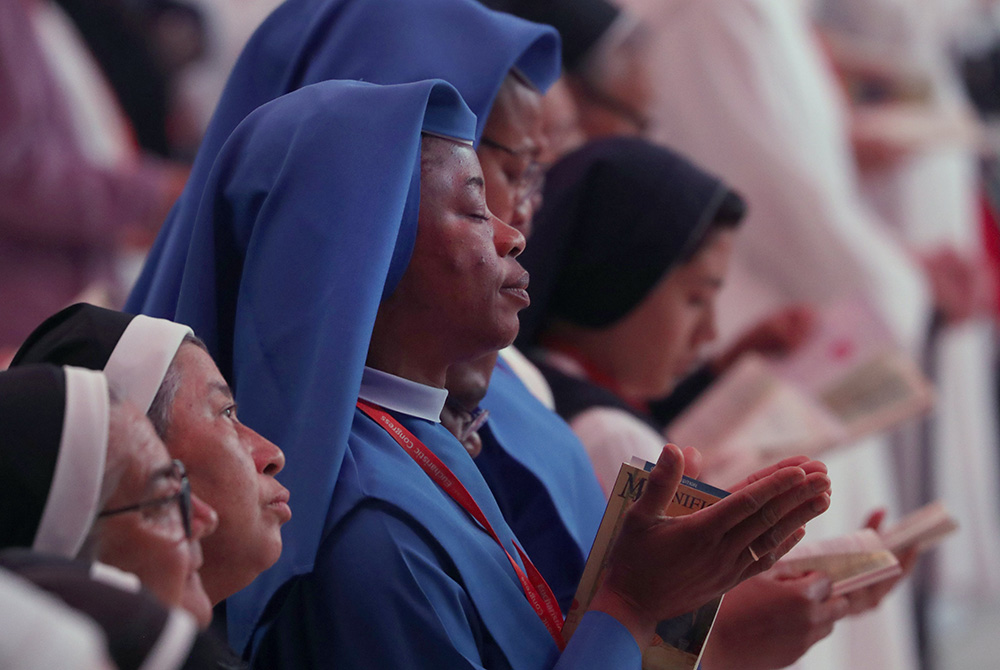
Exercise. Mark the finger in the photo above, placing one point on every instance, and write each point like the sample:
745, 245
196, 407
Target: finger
732, 511
875, 519
792, 461
815, 586
769, 527
773, 540
753, 568
661, 485
814, 466
692, 462
908, 559
834, 609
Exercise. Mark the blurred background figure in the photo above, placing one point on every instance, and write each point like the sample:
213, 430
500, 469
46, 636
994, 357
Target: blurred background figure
76, 191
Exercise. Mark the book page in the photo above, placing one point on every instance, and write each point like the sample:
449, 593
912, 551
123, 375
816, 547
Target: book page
752, 410
849, 380
852, 561
923, 529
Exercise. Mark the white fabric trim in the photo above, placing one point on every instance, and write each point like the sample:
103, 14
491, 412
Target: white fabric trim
402, 395
40, 632
116, 577
71, 506
174, 644
140, 359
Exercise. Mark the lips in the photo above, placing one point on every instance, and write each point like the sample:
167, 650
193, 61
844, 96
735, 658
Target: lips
520, 283
518, 288
280, 505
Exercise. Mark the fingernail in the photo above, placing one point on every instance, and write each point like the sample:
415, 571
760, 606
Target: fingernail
821, 503
821, 485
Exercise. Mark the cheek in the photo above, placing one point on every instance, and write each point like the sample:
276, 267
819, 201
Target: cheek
162, 563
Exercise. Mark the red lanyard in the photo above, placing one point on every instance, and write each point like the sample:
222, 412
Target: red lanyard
536, 590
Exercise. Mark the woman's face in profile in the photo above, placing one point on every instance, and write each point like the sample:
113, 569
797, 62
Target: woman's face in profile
661, 338
463, 285
151, 542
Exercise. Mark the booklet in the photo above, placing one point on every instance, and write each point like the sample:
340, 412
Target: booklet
924, 529
865, 557
848, 381
679, 642
852, 562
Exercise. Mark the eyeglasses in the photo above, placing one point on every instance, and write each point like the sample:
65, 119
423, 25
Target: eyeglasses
529, 184
182, 498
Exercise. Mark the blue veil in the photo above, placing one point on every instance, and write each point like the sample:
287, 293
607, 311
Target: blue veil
379, 41
308, 220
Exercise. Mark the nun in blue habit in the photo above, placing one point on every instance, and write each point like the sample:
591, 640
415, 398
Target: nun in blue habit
550, 481
308, 223
380, 41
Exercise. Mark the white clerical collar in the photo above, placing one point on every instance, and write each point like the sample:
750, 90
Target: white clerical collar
402, 395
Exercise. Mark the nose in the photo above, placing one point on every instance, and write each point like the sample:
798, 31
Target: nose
522, 214
204, 519
508, 240
268, 458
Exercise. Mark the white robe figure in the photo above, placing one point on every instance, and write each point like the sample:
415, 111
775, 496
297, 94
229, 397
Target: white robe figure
930, 198
744, 91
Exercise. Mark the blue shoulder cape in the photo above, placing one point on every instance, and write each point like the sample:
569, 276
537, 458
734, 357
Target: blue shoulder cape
379, 41
542, 480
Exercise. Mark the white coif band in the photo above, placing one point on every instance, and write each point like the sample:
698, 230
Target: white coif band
71, 506
140, 359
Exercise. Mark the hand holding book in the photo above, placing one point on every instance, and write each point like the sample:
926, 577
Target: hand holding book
768, 623
661, 567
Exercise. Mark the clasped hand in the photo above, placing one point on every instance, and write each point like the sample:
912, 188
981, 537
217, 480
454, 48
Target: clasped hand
661, 567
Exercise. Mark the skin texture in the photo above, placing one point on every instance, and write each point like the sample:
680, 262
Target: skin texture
515, 121
707, 551
151, 543
658, 341
463, 288
233, 469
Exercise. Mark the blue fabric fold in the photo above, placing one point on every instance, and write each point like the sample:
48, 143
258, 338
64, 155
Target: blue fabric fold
379, 41
308, 219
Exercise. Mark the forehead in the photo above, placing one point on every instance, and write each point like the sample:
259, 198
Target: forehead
133, 442
709, 265
196, 368
447, 165
516, 116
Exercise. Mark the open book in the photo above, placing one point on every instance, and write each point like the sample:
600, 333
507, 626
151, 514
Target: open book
679, 642
865, 557
924, 529
849, 380
852, 562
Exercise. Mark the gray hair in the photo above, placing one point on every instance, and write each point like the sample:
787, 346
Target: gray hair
159, 409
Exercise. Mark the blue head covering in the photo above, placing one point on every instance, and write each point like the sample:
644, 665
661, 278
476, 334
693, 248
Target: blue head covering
380, 41
308, 219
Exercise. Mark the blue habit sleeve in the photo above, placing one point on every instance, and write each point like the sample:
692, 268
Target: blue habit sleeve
383, 595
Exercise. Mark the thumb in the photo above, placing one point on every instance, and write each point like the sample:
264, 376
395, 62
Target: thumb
662, 484
875, 519
815, 586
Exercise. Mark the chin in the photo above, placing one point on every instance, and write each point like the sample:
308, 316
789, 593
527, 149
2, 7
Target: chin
197, 603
